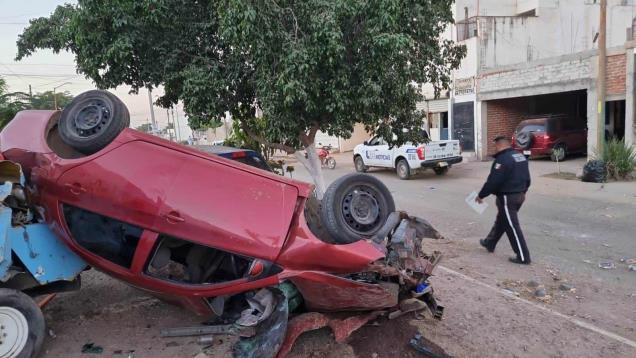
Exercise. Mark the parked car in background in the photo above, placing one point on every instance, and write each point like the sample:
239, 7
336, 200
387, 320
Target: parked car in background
245, 156
553, 135
408, 158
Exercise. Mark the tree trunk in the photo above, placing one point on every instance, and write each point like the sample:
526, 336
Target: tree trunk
312, 163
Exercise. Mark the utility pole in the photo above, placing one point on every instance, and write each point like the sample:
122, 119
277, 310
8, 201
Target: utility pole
152, 112
54, 94
30, 94
601, 80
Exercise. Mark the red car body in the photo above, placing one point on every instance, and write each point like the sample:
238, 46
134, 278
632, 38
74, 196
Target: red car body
552, 131
170, 190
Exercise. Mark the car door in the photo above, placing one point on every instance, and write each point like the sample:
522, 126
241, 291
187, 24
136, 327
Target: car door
107, 202
376, 153
225, 205
383, 155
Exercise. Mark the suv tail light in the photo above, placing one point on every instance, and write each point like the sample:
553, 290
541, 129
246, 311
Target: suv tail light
546, 137
236, 155
420, 153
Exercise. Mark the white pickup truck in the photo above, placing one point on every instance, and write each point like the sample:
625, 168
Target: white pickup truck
408, 158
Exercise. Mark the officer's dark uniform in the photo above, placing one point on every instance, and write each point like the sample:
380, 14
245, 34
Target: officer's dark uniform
509, 180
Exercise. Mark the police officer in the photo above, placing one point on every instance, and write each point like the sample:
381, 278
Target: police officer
509, 180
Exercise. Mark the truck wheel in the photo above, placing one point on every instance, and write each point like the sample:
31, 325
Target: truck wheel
355, 207
441, 170
22, 326
359, 163
403, 170
92, 120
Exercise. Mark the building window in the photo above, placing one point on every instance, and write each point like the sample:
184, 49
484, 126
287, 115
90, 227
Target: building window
466, 29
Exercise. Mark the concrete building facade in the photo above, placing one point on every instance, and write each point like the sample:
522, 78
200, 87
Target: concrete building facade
538, 57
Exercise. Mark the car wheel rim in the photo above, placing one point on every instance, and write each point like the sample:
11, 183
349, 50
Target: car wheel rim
402, 170
361, 209
14, 332
92, 118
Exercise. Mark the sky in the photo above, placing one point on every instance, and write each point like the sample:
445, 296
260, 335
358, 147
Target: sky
45, 70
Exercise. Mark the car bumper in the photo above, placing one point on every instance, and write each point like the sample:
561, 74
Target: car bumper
440, 162
536, 152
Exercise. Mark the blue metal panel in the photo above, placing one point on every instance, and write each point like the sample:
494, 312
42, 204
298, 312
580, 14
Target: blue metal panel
5, 244
44, 254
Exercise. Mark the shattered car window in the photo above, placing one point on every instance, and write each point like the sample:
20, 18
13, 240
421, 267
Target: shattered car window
186, 262
111, 239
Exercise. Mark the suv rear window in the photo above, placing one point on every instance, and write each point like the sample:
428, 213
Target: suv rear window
531, 127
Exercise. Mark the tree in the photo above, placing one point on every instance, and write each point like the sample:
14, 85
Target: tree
11, 103
309, 65
45, 100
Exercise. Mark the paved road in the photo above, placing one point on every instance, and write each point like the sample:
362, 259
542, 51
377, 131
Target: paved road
566, 222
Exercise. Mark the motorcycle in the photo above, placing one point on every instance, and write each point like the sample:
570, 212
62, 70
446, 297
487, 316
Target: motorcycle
324, 154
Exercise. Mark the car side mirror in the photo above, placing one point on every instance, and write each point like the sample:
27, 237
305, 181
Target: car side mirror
365, 142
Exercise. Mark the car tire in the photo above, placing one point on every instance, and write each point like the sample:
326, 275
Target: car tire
22, 324
403, 169
359, 164
355, 207
440, 170
92, 121
558, 153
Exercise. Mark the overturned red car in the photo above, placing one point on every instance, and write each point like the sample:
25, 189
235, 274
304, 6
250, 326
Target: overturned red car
196, 229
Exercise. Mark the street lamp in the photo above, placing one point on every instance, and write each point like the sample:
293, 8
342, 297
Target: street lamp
55, 96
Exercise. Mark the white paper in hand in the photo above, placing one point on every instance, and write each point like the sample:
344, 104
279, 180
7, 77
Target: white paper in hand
479, 208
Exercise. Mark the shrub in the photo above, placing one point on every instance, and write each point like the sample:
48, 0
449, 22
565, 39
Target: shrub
619, 158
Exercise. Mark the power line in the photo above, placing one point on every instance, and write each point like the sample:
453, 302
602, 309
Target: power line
21, 15
37, 64
58, 81
15, 74
35, 75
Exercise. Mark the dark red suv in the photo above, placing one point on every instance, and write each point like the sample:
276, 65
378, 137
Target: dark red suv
552, 135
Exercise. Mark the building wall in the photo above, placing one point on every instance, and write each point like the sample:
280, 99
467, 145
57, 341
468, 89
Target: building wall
616, 75
358, 136
557, 71
503, 116
508, 35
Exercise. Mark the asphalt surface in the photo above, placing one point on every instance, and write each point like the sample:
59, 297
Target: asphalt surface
567, 223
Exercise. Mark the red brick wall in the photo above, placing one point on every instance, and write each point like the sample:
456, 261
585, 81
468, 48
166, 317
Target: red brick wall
616, 73
503, 117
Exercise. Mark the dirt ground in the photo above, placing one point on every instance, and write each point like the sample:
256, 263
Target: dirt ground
491, 307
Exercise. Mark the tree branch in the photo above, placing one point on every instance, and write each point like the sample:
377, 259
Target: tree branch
285, 148
308, 138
